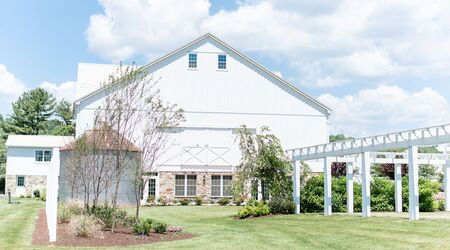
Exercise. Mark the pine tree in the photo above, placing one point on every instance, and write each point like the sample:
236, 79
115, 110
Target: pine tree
30, 113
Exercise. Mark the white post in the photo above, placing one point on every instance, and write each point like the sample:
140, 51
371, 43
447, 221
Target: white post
260, 194
365, 176
413, 183
398, 187
145, 191
446, 169
349, 172
51, 203
296, 193
327, 186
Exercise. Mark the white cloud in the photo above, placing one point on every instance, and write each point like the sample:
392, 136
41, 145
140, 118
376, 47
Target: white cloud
127, 28
65, 90
10, 88
386, 109
327, 43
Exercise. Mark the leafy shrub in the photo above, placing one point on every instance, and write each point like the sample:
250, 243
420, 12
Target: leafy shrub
259, 209
427, 190
107, 214
224, 201
28, 196
382, 194
441, 205
160, 227
150, 199
198, 201
184, 202
281, 206
68, 209
36, 193
22, 196
144, 227
84, 226
238, 201
162, 202
43, 195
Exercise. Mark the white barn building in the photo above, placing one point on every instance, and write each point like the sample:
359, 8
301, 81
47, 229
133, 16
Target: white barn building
219, 89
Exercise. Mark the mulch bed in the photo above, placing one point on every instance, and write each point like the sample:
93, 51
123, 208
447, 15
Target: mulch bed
122, 237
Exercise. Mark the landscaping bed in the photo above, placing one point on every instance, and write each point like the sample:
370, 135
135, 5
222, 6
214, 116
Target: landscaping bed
123, 236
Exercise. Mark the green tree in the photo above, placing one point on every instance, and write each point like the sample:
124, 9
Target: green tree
31, 113
338, 137
65, 123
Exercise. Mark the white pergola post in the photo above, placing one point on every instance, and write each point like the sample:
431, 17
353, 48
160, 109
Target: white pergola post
413, 183
260, 194
365, 174
349, 173
446, 169
296, 193
327, 185
398, 187
51, 203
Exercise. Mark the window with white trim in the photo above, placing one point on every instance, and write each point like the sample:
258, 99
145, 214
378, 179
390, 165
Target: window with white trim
192, 61
222, 61
221, 185
21, 181
185, 185
151, 187
43, 155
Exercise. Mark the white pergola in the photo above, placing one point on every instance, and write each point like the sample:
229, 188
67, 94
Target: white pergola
365, 151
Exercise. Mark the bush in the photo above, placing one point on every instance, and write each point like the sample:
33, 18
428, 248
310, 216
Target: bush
68, 209
224, 201
184, 202
43, 195
238, 201
427, 190
159, 227
28, 196
22, 196
84, 226
281, 206
107, 214
150, 199
441, 205
36, 193
198, 201
144, 227
257, 210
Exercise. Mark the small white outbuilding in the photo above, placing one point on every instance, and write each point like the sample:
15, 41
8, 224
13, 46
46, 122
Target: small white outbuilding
29, 158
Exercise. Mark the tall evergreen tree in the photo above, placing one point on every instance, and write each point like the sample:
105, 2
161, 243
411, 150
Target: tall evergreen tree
30, 113
65, 125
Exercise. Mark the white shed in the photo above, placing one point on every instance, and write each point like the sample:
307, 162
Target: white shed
29, 158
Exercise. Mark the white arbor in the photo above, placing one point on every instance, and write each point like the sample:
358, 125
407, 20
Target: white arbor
364, 151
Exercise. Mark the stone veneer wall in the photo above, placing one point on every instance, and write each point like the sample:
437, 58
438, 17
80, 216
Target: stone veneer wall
31, 182
167, 184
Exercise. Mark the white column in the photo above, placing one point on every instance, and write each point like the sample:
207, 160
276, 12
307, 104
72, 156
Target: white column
51, 203
145, 191
413, 183
296, 193
398, 187
327, 186
446, 169
365, 176
349, 172
260, 197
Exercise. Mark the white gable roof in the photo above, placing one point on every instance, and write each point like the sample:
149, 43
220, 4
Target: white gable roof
271, 74
37, 141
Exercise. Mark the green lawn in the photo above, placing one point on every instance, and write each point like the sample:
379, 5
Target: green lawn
214, 228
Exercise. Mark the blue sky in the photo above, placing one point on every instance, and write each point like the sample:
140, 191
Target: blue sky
380, 65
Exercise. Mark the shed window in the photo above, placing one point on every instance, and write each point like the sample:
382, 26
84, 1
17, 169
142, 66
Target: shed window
222, 60
192, 61
43, 155
20, 181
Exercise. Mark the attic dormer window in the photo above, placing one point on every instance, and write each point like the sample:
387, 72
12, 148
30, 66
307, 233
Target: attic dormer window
222, 62
192, 61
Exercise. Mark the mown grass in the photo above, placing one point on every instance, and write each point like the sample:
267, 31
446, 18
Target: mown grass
215, 228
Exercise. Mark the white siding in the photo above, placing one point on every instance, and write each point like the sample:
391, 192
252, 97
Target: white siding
226, 99
21, 161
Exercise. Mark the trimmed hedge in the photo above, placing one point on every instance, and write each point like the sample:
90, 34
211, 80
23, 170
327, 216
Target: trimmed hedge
381, 189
